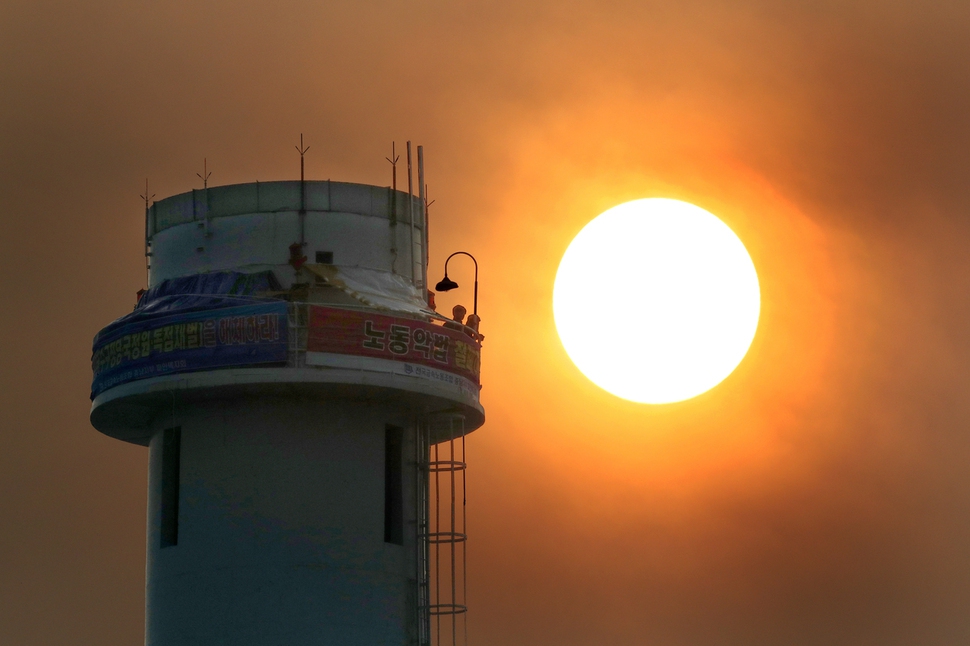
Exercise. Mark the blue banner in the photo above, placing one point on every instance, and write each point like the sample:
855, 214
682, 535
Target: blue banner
189, 341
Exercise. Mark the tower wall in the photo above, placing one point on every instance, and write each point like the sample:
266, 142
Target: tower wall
281, 526
250, 227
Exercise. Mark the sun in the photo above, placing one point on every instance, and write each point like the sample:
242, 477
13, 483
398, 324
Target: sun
656, 301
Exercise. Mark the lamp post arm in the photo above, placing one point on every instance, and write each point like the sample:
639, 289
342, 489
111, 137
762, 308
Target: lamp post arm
464, 253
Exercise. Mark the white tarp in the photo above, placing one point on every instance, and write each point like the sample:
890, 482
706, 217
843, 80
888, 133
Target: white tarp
378, 289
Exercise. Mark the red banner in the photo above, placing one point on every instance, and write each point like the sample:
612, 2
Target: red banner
388, 337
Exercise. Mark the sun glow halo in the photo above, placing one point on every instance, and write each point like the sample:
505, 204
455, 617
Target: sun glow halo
656, 300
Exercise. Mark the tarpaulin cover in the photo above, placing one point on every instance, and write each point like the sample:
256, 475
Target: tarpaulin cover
190, 323
377, 289
199, 292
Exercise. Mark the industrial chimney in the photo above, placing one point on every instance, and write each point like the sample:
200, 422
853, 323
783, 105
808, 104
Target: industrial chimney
305, 411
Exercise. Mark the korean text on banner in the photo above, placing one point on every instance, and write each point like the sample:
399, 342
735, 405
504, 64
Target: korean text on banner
232, 336
388, 337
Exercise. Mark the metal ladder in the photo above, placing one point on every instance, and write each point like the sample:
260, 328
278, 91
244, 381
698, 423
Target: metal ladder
442, 536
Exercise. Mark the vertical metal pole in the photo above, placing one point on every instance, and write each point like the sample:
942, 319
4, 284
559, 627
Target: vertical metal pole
302, 208
424, 222
204, 176
420, 534
148, 235
411, 212
475, 303
148, 252
393, 159
454, 543
437, 546
464, 531
302, 150
426, 483
392, 216
416, 483
205, 194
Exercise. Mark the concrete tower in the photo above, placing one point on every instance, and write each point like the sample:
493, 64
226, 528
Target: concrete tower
292, 385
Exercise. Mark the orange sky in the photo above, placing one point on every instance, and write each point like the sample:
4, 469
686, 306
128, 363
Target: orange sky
817, 496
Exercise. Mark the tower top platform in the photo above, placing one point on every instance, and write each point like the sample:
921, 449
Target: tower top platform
284, 289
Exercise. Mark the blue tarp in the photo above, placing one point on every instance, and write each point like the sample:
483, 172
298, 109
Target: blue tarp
197, 322
199, 292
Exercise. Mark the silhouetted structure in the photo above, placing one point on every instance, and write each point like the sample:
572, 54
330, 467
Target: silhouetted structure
305, 413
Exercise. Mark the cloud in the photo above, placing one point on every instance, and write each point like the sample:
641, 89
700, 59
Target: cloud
818, 496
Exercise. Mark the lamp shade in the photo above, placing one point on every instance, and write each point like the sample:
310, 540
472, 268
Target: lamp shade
445, 284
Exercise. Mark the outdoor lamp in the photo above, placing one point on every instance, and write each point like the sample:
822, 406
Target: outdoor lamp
447, 284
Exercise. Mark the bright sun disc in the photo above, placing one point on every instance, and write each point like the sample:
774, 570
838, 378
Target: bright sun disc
656, 301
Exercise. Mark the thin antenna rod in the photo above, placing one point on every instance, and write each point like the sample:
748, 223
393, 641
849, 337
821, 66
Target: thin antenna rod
393, 159
148, 239
204, 176
300, 149
427, 237
146, 196
424, 221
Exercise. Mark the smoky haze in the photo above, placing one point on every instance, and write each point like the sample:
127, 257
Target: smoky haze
819, 496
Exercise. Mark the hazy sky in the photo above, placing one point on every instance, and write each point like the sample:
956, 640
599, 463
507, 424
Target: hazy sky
819, 496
